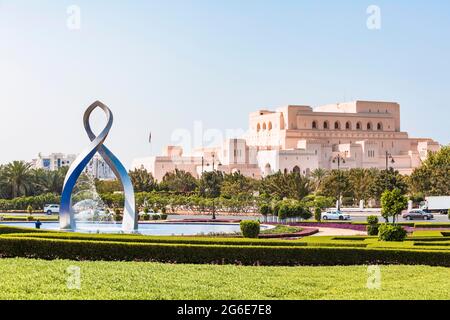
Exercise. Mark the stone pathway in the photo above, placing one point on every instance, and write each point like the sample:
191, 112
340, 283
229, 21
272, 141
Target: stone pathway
338, 232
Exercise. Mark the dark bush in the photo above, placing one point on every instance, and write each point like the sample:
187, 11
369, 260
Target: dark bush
250, 228
163, 216
264, 209
372, 220
228, 254
318, 214
391, 232
372, 229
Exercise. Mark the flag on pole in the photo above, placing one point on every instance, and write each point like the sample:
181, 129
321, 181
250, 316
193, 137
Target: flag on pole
150, 138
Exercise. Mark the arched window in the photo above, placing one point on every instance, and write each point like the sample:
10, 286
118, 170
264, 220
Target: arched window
314, 125
348, 125
369, 126
296, 169
258, 128
379, 126
337, 125
325, 125
358, 126
270, 125
264, 126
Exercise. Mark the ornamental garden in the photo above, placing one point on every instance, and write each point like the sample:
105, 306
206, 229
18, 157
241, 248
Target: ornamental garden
289, 260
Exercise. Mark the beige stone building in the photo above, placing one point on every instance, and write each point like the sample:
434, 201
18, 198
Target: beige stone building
366, 134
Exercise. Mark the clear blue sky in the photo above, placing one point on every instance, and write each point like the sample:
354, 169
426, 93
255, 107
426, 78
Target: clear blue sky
161, 65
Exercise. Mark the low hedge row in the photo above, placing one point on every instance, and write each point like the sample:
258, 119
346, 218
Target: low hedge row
27, 218
5, 229
156, 239
432, 225
223, 254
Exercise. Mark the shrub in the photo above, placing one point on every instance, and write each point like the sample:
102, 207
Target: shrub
264, 209
163, 216
30, 218
448, 214
118, 217
155, 216
30, 209
372, 229
250, 228
227, 254
372, 220
283, 211
318, 214
390, 232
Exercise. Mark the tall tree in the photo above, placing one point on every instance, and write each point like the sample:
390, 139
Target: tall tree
433, 176
142, 180
387, 180
361, 181
210, 185
237, 185
19, 176
178, 181
318, 175
286, 185
336, 183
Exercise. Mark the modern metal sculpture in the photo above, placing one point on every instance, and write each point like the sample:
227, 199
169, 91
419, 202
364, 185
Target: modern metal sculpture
66, 219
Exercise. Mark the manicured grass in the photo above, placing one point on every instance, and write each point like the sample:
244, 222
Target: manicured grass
39, 279
280, 228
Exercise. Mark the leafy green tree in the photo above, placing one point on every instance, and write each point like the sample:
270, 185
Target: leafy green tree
46, 181
237, 185
317, 176
433, 176
392, 204
108, 186
336, 183
142, 180
179, 181
361, 182
18, 175
387, 180
286, 185
210, 184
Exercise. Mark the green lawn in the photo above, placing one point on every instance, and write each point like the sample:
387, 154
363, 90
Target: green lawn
39, 279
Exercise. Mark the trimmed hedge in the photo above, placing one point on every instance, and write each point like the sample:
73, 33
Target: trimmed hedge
250, 228
432, 225
5, 229
223, 254
157, 239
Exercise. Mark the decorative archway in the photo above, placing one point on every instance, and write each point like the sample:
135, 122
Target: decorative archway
296, 169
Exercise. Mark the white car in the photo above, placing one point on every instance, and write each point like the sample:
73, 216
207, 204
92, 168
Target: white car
51, 208
335, 215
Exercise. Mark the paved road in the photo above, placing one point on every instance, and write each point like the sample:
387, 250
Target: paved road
355, 217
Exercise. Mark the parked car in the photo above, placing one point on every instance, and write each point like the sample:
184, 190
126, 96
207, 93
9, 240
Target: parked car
335, 215
418, 214
51, 208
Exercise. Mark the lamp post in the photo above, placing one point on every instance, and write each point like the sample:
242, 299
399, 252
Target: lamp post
339, 159
389, 156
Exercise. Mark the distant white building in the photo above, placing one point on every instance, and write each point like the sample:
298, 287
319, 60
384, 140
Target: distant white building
53, 161
97, 167
298, 138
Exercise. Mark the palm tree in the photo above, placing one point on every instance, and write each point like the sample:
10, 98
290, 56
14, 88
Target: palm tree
49, 181
19, 176
318, 175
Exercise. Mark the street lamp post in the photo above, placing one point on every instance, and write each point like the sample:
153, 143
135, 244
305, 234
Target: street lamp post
339, 159
389, 156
